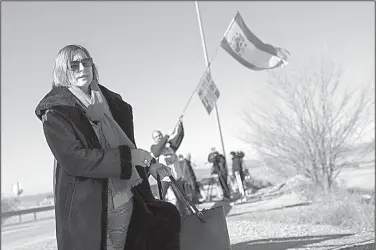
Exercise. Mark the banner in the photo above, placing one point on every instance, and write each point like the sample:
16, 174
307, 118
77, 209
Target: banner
208, 92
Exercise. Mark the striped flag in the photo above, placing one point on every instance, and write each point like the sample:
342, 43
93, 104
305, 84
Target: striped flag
249, 50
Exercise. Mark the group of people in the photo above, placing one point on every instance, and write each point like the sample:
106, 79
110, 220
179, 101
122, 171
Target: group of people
103, 199
220, 170
165, 149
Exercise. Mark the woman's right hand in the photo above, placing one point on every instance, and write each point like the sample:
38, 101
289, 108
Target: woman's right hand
141, 157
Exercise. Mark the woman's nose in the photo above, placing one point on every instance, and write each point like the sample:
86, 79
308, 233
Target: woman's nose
81, 67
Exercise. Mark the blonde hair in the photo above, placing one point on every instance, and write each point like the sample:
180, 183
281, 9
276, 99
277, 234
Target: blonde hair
61, 72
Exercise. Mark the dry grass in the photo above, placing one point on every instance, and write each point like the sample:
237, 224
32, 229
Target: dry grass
341, 208
347, 209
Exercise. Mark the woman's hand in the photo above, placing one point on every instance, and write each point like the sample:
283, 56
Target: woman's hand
159, 169
141, 157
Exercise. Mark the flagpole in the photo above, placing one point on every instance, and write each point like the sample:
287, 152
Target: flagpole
207, 65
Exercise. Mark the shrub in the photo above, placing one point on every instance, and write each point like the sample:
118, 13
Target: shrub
8, 204
343, 208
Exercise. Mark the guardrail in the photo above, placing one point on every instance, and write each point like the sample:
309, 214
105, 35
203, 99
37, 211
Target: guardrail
35, 210
19, 213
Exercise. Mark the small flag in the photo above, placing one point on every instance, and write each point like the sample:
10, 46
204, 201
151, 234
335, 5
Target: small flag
249, 50
208, 92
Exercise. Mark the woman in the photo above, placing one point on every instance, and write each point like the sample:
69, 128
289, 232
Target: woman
100, 177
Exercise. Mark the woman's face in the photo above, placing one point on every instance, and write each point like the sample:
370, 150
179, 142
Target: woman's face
82, 70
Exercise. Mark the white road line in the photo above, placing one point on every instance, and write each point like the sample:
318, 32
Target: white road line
17, 230
33, 242
29, 227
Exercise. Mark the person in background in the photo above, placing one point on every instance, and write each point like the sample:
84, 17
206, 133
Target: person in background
186, 177
164, 149
237, 166
190, 179
220, 168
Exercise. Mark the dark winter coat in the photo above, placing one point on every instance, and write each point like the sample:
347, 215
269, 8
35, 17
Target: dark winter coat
219, 163
83, 167
236, 163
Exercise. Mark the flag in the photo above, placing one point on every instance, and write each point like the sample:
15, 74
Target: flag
249, 50
207, 91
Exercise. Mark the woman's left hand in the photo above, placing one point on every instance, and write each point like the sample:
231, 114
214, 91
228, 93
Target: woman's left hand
159, 169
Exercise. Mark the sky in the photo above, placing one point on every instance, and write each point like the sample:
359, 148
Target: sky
151, 53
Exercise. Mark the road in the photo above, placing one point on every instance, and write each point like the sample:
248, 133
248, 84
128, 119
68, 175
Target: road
40, 235
245, 233
245, 230
29, 235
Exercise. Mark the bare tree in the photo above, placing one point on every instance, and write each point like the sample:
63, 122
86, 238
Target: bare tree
311, 122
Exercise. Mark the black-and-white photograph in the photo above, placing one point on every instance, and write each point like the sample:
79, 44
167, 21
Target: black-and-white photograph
187, 125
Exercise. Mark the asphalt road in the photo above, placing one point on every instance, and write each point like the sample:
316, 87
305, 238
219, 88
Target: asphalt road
245, 232
27, 235
40, 235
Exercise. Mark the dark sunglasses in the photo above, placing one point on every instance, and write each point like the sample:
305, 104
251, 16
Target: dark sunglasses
86, 62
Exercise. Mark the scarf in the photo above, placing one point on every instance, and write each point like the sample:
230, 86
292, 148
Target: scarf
110, 135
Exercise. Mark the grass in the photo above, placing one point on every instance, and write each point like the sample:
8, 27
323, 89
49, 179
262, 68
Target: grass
342, 208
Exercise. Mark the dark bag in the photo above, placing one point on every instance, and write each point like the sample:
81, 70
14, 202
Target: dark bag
155, 225
201, 230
